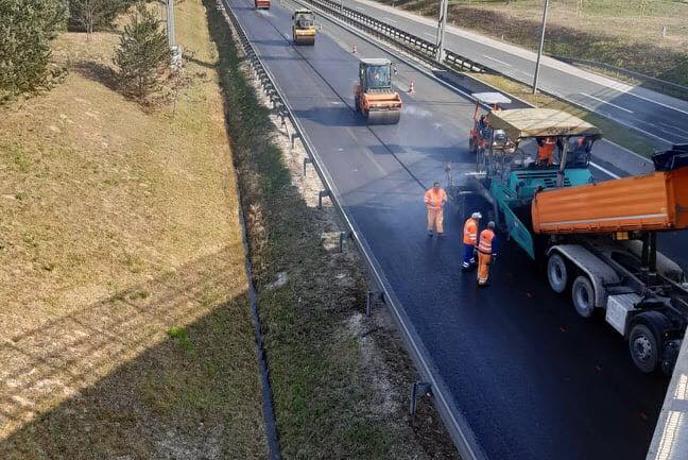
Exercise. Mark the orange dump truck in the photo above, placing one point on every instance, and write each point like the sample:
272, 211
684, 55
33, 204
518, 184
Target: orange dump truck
600, 241
262, 4
655, 202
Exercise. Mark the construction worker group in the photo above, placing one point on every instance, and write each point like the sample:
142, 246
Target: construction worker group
481, 243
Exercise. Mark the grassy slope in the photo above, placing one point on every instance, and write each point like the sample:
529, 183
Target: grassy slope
340, 382
617, 32
117, 225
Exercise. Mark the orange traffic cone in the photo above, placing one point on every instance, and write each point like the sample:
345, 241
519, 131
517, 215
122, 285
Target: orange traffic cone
412, 89
353, 49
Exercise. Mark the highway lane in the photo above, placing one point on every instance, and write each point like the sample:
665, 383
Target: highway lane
532, 378
661, 118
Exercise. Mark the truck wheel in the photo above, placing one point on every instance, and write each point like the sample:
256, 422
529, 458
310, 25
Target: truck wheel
557, 273
583, 296
644, 348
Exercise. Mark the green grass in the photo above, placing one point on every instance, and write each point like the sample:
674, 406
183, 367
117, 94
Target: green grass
181, 336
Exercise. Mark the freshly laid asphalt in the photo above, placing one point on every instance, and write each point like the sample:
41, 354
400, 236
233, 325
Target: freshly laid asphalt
533, 379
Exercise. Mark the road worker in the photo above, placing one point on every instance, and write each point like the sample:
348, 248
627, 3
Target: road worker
545, 150
487, 251
470, 240
435, 199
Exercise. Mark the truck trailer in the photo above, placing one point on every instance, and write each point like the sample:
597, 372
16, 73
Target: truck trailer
596, 241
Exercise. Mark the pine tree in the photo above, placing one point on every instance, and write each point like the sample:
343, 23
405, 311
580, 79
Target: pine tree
142, 54
26, 28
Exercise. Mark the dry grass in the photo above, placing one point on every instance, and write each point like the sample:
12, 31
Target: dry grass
616, 32
117, 225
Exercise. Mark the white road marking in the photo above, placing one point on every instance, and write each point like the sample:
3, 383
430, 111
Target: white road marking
604, 170
496, 60
606, 102
667, 106
621, 122
428, 34
674, 128
389, 19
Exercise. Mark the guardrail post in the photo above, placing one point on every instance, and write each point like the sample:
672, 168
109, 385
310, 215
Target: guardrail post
306, 161
321, 194
418, 390
372, 297
294, 135
342, 236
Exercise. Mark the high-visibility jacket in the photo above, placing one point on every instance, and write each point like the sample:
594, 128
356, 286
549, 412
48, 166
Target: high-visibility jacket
546, 150
470, 232
487, 236
435, 199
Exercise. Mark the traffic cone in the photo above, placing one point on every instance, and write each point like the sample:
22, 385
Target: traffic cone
412, 89
353, 49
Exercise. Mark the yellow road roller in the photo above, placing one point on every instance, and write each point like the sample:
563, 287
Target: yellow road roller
303, 27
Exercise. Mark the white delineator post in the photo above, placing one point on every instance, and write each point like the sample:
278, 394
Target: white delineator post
542, 45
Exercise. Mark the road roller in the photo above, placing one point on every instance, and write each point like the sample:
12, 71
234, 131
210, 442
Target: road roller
374, 96
303, 27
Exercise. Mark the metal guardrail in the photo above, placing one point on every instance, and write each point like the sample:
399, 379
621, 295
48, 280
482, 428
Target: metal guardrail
453, 420
418, 46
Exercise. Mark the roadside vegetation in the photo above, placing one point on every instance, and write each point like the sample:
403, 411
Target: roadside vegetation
340, 381
126, 325
645, 36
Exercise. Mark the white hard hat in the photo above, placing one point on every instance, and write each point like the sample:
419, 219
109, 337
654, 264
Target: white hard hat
476, 215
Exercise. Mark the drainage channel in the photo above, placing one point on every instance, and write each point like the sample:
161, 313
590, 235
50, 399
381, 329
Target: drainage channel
268, 406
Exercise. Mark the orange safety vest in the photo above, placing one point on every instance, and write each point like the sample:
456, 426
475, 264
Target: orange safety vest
546, 150
486, 237
434, 199
470, 232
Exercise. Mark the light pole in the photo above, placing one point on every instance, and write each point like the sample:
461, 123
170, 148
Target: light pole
175, 51
441, 26
170, 25
542, 45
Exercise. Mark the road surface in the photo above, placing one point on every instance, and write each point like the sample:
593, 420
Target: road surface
534, 380
662, 119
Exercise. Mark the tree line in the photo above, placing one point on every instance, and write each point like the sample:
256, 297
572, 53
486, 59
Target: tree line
28, 26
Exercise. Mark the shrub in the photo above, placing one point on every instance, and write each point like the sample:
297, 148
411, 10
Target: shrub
142, 54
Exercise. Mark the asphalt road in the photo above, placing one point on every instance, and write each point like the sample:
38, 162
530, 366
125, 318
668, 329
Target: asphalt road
661, 118
533, 379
